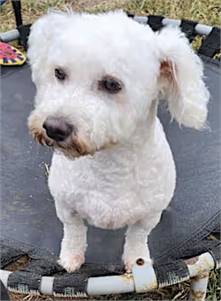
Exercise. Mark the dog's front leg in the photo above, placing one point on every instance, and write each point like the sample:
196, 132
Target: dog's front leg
74, 244
136, 242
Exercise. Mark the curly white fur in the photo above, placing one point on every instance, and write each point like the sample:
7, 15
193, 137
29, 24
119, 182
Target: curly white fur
129, 177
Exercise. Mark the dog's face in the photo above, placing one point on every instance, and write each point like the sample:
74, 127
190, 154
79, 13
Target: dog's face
96, 77
91, 84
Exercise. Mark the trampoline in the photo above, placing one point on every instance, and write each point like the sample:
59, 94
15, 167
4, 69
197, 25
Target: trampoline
179, 244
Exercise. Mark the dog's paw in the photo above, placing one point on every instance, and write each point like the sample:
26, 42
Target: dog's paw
71, 262
129, 262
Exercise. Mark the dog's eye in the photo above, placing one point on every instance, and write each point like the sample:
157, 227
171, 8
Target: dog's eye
60, 74
110, 84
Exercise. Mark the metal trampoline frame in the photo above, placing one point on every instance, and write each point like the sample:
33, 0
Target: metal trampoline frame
142, 279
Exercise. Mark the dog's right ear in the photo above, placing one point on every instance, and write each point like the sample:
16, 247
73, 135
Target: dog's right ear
42, 32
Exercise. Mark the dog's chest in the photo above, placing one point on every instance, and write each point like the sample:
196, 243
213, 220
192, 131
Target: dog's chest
108, 191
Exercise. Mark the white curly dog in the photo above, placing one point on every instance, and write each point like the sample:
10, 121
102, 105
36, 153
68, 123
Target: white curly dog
99, 79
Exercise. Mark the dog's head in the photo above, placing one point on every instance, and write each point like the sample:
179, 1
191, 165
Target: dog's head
98, 75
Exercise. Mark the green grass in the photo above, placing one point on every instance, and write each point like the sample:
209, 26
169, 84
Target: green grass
202, 11
214, 286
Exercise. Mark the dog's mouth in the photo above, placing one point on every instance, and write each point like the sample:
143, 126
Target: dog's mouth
72, 147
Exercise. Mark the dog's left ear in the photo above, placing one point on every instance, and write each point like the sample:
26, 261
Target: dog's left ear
40, 39
181, 79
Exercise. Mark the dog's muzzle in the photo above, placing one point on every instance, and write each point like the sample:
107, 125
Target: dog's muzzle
61, 135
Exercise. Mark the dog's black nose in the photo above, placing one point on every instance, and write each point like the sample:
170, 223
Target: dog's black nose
57, 128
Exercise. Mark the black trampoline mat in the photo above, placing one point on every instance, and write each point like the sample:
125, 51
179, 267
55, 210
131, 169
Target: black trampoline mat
27, 209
